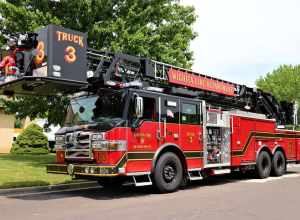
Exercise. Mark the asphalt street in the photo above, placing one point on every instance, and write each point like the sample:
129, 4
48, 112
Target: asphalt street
227, 197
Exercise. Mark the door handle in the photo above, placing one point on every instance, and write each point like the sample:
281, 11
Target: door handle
200, 137
165, 127
158, 136
176, 136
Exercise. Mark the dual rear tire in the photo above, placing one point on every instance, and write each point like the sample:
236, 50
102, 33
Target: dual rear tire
265, 165
278, 164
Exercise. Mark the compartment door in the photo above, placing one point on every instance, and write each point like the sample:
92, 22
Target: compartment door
217, 139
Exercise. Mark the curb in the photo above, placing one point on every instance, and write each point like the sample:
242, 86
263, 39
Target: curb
49, 188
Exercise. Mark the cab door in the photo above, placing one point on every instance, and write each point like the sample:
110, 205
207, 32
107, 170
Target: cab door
191, 132
142, 137
169, 120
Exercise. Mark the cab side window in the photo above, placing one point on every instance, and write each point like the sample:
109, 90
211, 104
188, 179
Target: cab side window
171, 111
190, 114
149, 109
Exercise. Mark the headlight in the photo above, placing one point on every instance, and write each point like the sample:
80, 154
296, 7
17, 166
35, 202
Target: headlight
59, 142
110, 145
97, 136
59, 139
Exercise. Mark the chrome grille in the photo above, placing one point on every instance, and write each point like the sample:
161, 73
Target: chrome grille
78, 145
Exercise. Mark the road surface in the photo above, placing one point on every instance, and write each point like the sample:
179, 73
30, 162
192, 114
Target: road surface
228, 197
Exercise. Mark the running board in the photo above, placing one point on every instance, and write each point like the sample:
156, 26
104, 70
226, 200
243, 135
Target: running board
195, 174
144, 180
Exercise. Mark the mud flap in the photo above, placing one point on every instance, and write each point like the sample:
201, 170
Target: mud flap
48, 86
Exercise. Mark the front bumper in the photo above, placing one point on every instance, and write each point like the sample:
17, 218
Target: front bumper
82, 170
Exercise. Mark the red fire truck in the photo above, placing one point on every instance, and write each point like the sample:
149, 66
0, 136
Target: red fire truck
149, 123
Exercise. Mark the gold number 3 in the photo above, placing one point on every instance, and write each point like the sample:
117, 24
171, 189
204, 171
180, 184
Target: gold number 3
70, 56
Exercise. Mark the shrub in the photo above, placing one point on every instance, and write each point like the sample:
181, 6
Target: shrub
31, 141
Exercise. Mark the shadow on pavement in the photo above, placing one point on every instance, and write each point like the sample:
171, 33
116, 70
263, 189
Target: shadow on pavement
100, 193
96, 193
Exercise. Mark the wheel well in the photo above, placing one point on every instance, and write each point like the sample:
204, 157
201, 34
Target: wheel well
282, 150
264, 148
170, 148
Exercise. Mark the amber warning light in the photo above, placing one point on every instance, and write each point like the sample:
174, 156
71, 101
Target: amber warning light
200, 82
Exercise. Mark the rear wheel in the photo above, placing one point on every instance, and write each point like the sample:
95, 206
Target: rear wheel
263, 165
168, 173
278, 164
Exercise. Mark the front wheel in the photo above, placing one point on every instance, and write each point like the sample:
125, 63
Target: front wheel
278, 164
168, 173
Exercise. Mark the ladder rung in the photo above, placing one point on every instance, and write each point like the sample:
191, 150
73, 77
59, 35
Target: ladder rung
195, 175
145, 183
196, 178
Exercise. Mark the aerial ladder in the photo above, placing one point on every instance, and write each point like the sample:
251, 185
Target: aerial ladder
69, 66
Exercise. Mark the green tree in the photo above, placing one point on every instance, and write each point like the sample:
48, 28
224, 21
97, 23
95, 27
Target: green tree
51, 107
158, 29
31, 141
283, 83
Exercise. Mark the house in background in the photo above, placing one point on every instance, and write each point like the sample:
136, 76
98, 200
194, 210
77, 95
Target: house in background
7, 130
10, 128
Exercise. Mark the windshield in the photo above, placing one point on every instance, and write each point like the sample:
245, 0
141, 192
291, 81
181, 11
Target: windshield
107, 107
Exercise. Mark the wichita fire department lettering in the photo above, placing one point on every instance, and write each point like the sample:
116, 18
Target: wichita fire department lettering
187, 79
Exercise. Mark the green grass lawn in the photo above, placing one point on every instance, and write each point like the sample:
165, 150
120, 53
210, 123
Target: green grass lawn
28, 170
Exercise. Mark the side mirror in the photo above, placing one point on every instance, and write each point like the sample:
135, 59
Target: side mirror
295, 109
139, 107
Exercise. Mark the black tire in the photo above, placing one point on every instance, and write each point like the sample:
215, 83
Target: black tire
168, 173
278, 164
263, 165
